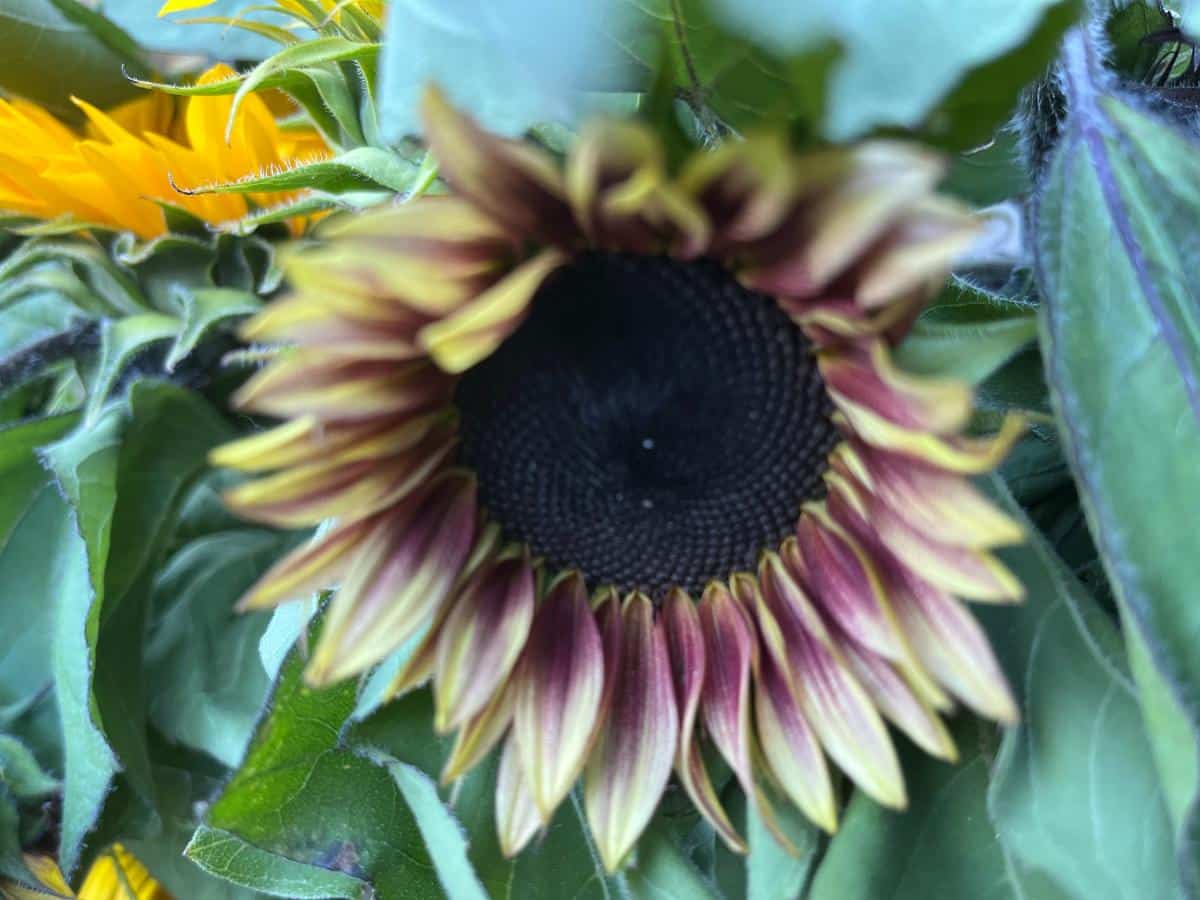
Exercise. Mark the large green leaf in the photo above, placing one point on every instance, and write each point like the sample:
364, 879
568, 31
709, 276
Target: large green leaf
1118, 252
202, 659
1075, 794
77, 538
52, 49
300, 796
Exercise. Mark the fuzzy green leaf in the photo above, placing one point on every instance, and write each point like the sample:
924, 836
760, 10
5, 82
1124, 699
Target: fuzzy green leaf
364, 168
1074, 792
1121, 333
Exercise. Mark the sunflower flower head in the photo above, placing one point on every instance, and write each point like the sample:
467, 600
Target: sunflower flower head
625, 448
125, 163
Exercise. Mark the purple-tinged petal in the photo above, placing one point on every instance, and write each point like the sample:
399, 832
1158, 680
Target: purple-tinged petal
899, 702
481, 639
685, 640
469, 335
559, 688
790, 747
833, 701
401, 577
312, 567
516, 816
513, 182
478, 736
631, 762
729, 649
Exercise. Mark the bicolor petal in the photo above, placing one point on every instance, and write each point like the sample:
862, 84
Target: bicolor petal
631, 763
399, 579
482, 638
685, 642
559, 686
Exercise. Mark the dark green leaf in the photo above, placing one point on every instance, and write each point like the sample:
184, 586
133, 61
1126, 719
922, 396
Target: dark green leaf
942, 846
299, 796
20, 771
77, 539
53, 49
968, 333
1118, 250
1074, 792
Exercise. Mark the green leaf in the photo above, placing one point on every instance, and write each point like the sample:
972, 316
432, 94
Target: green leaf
900, 59
660, 870
300, 796
53, 49
208, 686
1074, 792
28, 511
364, 168
967, 333
942, 846
77, 538
227, 856
20, 771
120, 342
204, 310
442, 833
1121, 334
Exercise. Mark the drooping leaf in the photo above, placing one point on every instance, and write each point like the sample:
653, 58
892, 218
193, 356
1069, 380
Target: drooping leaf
1118, 249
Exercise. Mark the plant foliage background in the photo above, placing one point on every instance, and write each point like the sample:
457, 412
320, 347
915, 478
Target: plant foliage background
136, 706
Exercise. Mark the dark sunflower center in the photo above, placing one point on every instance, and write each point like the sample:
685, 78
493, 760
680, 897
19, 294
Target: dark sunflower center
652, 423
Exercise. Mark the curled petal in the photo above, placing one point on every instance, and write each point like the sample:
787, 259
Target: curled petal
954, 453
865, 384
917, 253
315, 566
334, 390
397, 582
622, 197
461, 340
513, 182
516, 817
685, 642
559, 687
631, 763
747, 187
481, 640
879, 181
790, 747
832, 699
313, 321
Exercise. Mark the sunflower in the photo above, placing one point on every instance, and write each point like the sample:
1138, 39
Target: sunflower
623, 450
147, 152
115, 875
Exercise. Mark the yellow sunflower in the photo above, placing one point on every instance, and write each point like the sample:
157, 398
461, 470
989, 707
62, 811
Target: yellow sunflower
115, 875
116, 171
627, 445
